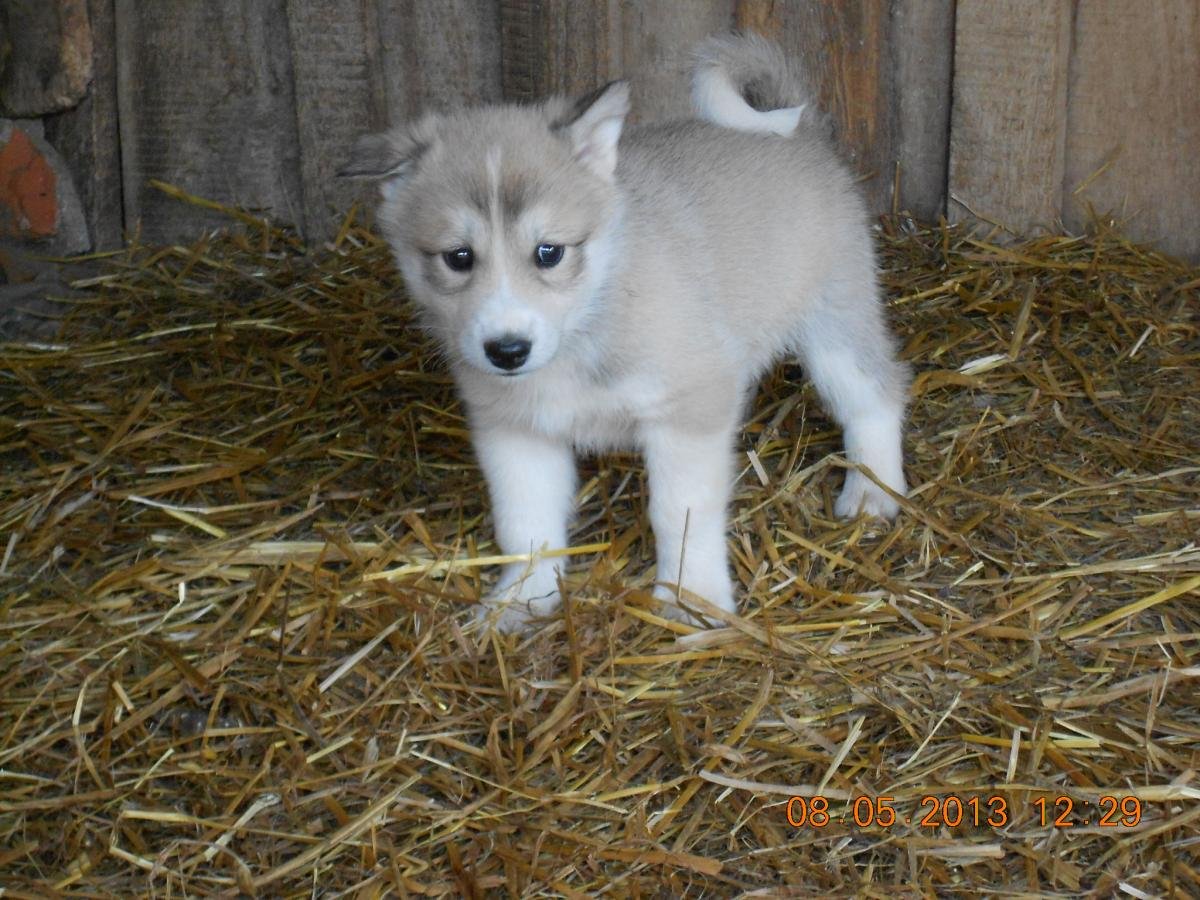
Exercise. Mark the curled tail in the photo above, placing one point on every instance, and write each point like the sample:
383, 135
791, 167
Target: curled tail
743, 81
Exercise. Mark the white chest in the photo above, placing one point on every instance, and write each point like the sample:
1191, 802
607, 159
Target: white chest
590, 416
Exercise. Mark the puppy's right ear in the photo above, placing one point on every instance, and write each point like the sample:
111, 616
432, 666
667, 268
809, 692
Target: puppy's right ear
386, 157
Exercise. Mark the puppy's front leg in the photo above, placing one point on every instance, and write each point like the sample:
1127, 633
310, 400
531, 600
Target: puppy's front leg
531, 480
691, 478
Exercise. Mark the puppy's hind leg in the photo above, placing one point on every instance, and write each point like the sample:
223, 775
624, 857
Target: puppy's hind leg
691, 479
848, 352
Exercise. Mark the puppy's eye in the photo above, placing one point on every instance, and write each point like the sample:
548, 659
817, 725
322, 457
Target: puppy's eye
460, 259
547, 256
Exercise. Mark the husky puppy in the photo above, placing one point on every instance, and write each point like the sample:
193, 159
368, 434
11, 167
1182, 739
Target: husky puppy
596, 287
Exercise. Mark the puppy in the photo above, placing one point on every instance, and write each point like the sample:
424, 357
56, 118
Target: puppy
596, 287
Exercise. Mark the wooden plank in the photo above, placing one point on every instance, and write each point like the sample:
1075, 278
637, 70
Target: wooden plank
559, 46
87, 135
556, 46
1136, 115
923, 37
520, 59
847, 50
206, 102
336, 63
656, 43
1008, 118
564, 47
436, 55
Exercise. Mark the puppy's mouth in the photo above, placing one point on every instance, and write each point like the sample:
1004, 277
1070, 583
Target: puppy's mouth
523, 372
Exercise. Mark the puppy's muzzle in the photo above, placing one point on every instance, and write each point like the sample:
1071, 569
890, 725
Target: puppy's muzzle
508, 352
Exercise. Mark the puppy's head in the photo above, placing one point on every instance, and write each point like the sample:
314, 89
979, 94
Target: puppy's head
501, 220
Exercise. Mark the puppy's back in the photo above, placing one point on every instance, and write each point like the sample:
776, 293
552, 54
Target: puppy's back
751, 225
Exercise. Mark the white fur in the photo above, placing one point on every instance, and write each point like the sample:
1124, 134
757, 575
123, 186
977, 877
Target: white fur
532, 482
501, 313
717, 100
871, 419
690, 482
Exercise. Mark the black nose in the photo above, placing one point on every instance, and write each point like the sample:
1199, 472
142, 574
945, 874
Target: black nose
508, 352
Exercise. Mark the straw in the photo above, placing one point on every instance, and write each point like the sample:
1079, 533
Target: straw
244, 535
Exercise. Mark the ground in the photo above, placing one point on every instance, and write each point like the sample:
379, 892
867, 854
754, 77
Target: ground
243, 534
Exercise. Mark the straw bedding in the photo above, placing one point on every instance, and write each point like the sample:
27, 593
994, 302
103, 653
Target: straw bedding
242, 534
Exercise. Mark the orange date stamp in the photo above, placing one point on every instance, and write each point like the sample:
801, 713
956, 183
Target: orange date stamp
953, 811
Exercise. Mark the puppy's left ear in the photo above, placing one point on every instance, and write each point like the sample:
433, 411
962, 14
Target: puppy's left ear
387, 157
377, 156
594, 124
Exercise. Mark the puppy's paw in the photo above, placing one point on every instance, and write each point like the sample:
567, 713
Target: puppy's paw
511, 616
669, 606
861, 495
519, 599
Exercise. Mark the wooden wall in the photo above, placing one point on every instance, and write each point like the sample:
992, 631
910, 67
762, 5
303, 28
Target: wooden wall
1061, 105
1017, 111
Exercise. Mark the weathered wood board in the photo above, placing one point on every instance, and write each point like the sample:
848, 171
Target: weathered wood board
1020, 111
847, 49
564, 47
557, 46
206, 102
436, 55
336, 62
923, 42
87, 136
1133, 121
1008, 123
368, 64
656, 41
